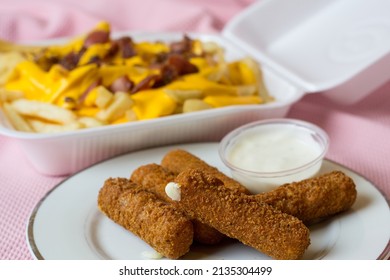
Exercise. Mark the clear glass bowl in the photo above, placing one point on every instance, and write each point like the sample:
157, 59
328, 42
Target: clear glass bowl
265, 154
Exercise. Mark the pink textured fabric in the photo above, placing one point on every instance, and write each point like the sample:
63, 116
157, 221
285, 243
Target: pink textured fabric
23, 20
359, 133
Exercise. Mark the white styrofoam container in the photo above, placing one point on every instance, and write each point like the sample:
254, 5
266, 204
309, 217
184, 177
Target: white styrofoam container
340, 47
68, 152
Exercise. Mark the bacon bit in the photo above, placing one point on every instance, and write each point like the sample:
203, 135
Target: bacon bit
96, 37
174, 66
167, 75
146, 83
71, 60
182, 65
88, 90
122, 84
182, 47
126, 46
114, 48
161, 57
95, 59
158, 61
46, 62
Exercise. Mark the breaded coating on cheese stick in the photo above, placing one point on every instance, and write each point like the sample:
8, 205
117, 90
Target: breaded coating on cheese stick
153, 177
202, 196
179, 160
161, 225
313, 199
309, 200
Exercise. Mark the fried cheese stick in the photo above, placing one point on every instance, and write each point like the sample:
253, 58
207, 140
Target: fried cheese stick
204, 197
309, 200
179, 160
161, 225
313, 199
154, 178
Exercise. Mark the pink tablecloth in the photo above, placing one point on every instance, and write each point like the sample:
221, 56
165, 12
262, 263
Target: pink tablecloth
359, 133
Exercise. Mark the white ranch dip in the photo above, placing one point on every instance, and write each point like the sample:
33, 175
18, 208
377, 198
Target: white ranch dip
271, 149
263, 156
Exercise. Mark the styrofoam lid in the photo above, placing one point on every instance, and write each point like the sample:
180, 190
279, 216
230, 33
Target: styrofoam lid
316, 44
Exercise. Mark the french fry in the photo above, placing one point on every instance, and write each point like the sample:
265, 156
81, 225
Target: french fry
8, 61
131, 115
45, 111
44, 127
178, 109
90, 122
218, 74
246, 90
103, 97
16, 120
211, 47
181, 95
121, 103
192, 105
214, 49
258, 75
8, 96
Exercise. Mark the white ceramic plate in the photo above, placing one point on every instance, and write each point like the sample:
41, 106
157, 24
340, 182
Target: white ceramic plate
67, 224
